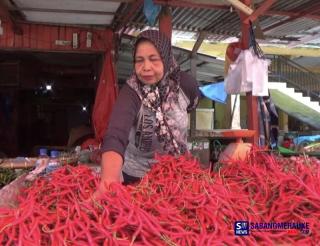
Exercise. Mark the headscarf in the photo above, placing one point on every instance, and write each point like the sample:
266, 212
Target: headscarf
160, 96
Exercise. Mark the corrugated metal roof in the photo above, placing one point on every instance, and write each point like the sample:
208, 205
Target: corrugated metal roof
220, 23
70, 18
299, 26
75, 12
87, 5
289, 5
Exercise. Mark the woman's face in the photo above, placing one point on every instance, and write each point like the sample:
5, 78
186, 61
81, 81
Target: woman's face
148, 63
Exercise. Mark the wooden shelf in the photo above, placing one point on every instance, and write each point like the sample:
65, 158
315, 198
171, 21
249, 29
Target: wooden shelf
225, 133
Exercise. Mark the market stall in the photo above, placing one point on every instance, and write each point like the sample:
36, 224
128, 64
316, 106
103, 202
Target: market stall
251, 195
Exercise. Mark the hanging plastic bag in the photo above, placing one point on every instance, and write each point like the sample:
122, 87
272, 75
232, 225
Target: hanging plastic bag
254, 74
260, 78
239, 77
259, 71
249, 72
233, 78
247, 66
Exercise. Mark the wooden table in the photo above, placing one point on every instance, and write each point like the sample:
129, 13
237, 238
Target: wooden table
204, 151
237, 134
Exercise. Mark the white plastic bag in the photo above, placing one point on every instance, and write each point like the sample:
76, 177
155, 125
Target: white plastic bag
233, 78
260, 78
255, 73
248, 73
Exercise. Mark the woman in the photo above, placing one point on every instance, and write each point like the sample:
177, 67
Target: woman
150, 114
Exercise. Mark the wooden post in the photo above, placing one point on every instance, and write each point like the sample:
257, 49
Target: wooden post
193, 114
283, 121
193, 69
252, 101
165, 21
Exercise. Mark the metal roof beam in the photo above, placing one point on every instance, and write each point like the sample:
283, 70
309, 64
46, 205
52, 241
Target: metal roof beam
217, 2
190, 4
304, 40
201, 37
128, 16
200, 58
208, 59
196, 4
291, 14
313, 8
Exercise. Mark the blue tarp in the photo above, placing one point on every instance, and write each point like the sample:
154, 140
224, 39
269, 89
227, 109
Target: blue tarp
151, 11
215, 92
300, 139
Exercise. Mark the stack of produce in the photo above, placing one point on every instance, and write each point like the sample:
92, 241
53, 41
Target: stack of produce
177, 203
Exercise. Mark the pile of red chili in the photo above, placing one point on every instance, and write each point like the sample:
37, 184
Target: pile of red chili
177, 203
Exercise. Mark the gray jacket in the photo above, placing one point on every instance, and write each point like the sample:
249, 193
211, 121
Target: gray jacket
143, 143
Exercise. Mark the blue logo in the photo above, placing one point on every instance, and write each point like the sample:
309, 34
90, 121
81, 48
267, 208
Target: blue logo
241, 228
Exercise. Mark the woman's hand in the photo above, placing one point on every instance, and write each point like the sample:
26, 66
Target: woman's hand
103, 187
111, 166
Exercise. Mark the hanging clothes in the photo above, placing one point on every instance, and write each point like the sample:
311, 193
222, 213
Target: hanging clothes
268, 122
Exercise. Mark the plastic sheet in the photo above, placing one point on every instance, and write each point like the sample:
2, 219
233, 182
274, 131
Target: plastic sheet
215, 92
105, 98
9, 193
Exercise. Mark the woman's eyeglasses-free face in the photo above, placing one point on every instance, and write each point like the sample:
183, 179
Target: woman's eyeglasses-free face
148, 63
